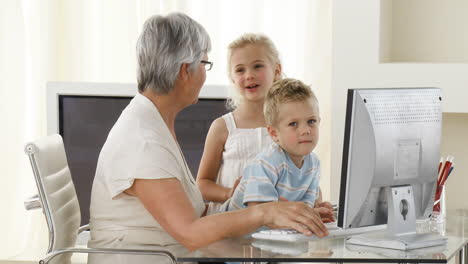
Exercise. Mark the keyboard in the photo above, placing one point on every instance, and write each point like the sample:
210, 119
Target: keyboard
291, 235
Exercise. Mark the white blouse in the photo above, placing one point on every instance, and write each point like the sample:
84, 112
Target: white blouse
139, 146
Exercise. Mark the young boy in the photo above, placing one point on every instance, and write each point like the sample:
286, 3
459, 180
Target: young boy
287, 170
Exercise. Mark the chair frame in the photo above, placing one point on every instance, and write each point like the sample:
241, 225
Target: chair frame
40, 201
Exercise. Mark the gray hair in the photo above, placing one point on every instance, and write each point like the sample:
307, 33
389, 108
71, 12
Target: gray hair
165, 43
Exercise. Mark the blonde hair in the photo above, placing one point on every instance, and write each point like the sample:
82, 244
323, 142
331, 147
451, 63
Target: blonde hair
284, 91
249, 39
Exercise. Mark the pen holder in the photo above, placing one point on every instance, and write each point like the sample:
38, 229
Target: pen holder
439, 209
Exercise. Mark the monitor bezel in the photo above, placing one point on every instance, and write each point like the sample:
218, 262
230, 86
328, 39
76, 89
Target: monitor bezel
56, 89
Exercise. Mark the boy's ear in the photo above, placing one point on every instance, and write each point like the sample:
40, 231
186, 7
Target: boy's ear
273, 133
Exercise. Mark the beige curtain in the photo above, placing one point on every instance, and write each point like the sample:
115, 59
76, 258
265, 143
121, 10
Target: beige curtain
23, 70
94, 41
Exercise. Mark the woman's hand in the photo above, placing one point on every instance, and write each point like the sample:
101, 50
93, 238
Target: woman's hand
296, 215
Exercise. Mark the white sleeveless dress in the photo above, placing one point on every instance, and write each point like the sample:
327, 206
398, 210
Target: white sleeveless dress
241, 147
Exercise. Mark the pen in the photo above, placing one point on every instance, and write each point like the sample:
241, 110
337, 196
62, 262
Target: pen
447, 174
445, 167
444, 170
440, 164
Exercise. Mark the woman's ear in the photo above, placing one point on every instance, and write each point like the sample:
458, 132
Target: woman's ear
184, 71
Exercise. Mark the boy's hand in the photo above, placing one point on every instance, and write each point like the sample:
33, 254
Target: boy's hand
326, 218
206, 210
326, 214
231, 192
324, 204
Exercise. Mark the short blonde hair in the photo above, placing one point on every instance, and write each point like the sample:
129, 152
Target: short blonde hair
242, 41
284, 91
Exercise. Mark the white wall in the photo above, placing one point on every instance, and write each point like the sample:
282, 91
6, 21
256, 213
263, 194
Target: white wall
455, 143
428, 30
357, 53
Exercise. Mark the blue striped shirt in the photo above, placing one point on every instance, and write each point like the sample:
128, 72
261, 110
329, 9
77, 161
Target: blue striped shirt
273, 174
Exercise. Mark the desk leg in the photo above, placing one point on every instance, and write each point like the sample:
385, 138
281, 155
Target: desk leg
465, 257
462, 257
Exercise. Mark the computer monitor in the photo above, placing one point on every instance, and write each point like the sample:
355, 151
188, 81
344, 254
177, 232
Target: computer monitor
390, 159
84, 113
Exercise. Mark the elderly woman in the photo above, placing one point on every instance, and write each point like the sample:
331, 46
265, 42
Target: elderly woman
144, 196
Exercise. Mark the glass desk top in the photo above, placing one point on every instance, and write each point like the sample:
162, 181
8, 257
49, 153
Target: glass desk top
335, 249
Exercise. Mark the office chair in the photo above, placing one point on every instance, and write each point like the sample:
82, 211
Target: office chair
58, 200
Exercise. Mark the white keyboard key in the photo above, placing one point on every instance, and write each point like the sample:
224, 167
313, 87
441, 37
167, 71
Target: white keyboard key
276, 232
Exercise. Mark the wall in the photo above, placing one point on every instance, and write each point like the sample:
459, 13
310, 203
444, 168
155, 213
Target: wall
455, 143
362, 58
428, 30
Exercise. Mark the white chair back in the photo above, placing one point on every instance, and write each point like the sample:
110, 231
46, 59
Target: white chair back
56, 193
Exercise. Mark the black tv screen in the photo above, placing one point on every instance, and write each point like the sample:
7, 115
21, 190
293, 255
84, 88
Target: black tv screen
85, 121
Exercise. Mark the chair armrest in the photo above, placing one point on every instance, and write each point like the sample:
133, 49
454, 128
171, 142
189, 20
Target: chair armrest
164, 253
32, 203
83, 228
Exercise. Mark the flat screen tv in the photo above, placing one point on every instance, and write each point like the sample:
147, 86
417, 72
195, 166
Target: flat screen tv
84, 113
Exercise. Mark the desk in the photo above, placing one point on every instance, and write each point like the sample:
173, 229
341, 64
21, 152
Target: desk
336, 250
325, 250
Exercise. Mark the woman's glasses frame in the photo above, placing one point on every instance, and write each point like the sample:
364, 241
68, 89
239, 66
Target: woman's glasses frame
208, 64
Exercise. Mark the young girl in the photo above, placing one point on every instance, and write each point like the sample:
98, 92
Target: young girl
237, 137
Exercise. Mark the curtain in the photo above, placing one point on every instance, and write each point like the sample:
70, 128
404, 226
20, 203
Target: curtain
24, 70
94, 41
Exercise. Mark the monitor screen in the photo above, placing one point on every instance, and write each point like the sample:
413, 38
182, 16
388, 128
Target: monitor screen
85, 121
392, 138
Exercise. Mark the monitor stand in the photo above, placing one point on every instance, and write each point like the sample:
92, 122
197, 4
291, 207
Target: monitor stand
401, 227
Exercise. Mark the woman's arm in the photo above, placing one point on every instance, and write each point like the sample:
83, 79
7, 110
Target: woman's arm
211, 162
318, 203
166, 200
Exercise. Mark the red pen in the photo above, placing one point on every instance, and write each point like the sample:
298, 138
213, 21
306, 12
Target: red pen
440, 164
447, 173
